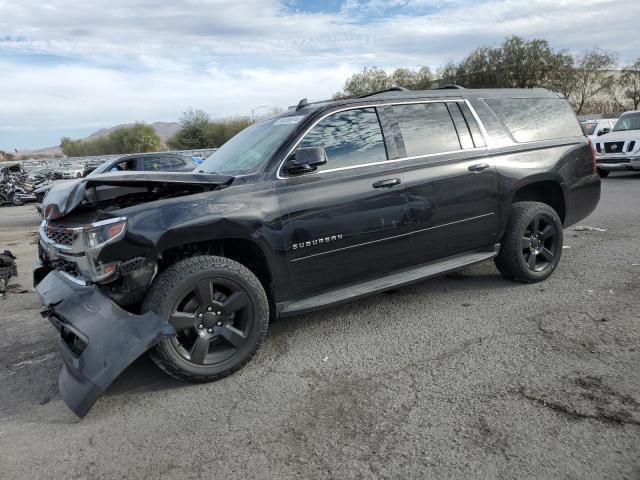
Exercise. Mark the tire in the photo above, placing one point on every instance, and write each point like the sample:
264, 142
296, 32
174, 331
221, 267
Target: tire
521, 241
603, 173
16, 202
216, 351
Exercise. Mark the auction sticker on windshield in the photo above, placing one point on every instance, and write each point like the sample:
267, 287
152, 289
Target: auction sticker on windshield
288, 120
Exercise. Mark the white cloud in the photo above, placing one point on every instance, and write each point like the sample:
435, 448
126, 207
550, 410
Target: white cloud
89, 63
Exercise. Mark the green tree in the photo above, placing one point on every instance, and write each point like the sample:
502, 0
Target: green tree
194, 132
367, 81
412, 79
374, 79
199, 131
138, 138
516, 63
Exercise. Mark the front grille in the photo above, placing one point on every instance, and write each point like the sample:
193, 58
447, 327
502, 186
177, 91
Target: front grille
613, 147
61, 236
59, 264
65, 266
613, 160
631, 146
598, 148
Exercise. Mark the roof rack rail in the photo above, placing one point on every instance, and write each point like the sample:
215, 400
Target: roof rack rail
392, 89
452, 86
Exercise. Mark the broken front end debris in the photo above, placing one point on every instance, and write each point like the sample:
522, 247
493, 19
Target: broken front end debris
98, 339
93, 267
8, 269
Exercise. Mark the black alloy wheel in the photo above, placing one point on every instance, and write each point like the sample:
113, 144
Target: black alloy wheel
531, 246
220, 312
212, 320
539, 244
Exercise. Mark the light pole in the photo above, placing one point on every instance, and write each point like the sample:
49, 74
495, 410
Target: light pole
253, 117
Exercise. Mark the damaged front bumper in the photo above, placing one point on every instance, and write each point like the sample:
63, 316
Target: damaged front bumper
98, 339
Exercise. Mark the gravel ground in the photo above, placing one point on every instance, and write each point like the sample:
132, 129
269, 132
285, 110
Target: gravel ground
463, 376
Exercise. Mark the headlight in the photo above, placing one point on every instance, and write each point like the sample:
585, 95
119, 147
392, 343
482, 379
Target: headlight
98, 234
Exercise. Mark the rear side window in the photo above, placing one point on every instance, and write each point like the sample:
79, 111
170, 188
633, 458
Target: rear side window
534, 119
162, 163
426, 128
350, 138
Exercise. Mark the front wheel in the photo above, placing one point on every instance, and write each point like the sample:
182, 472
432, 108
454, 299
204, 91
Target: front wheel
603, 173
532, 243
220, 312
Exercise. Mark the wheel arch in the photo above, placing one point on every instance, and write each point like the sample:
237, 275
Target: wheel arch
542, 190
243, 250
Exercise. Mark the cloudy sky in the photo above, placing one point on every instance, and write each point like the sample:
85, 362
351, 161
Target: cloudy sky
69, 67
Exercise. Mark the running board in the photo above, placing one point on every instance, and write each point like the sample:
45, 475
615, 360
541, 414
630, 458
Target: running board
394, 280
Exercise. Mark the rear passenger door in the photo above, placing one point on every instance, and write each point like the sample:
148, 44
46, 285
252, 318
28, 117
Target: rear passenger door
451, 183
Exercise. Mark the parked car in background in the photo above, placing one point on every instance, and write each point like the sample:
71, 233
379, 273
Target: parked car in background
320, 205
150, 162
74, 171
595, 128
620, 149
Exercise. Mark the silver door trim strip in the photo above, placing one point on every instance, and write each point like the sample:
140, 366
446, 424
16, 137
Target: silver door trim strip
483, 132
453, 223
351, 247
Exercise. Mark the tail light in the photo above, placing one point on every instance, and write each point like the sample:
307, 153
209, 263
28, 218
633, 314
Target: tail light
593, 155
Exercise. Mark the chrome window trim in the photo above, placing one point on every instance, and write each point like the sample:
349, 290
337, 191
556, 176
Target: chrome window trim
483, 132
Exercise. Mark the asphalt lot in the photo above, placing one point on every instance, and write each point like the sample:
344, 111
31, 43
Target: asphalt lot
466, 376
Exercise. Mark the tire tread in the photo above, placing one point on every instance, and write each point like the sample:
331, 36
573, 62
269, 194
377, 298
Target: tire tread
508, 261
178, 272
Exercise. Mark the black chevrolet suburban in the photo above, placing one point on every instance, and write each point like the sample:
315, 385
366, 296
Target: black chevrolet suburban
323, 204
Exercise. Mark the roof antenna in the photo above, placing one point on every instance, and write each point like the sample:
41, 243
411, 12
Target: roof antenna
302, 103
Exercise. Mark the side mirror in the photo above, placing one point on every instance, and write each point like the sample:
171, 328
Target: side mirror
306, 160
603, 131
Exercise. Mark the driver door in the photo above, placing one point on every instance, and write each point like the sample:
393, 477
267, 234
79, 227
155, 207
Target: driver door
348, 220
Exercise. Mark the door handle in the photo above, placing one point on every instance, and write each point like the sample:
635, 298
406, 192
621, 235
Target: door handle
388, 183
478, 167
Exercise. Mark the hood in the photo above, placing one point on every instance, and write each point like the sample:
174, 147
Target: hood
112, 188
619, 136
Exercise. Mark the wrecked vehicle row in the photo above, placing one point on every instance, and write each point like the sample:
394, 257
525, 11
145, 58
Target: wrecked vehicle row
322, 204
16, 187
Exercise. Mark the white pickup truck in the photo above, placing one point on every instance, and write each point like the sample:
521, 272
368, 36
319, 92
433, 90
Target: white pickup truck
620, 149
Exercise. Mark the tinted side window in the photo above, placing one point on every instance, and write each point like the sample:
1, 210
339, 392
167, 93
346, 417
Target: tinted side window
426, 128
350, 138
533, 119
167, 163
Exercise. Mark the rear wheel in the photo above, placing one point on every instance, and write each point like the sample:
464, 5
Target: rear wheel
220, 312
532, 243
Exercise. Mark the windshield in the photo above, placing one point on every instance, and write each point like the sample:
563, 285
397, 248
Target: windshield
249, 149
628, 122
101, 169
588, 128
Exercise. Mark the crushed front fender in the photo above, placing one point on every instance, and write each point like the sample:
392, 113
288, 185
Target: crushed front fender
98, 339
